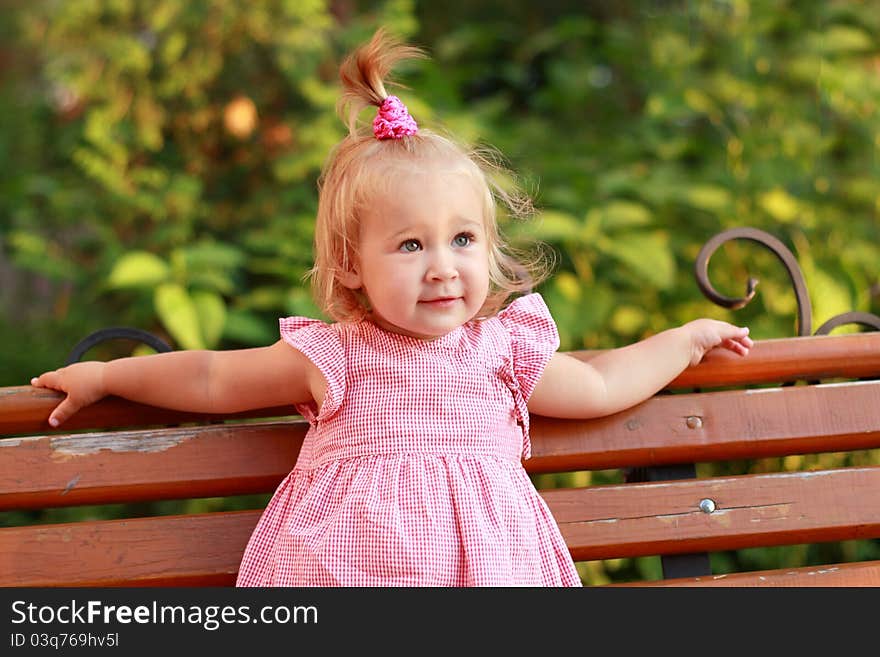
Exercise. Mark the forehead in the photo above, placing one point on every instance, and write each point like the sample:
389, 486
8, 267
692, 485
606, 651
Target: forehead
423, 196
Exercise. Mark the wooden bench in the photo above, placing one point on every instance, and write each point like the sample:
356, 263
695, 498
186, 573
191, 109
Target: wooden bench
726, 409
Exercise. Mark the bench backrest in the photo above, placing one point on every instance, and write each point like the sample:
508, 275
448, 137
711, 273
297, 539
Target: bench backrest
725, 409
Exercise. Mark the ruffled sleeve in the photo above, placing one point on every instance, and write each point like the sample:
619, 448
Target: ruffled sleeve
533, 339
321, 344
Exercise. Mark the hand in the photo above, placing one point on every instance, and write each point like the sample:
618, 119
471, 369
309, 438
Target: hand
707, 334
83, 383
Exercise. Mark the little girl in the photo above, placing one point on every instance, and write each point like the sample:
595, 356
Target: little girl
418, 396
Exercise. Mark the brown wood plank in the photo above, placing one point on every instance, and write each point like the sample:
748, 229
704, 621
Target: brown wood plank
598, 523
205, 551
24, 409
604, 522
128, 466
164, 551
852, 355
711, 426
230, 459
859, 573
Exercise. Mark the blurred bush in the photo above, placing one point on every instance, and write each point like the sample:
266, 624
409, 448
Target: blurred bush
161, 157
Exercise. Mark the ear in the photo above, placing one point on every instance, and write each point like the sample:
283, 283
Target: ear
350, 279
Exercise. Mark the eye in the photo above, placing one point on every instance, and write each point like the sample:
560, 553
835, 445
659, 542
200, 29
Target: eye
462, 239
410, 246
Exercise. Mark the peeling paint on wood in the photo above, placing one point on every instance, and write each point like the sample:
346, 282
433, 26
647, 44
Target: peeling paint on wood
21, 440
125, 441
809, 474
822, 571
70, 484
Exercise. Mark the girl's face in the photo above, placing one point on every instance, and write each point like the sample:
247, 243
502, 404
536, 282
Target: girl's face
423, 260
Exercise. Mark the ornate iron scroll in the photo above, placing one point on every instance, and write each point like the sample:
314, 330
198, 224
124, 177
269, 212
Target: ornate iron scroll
119, 332
805, 312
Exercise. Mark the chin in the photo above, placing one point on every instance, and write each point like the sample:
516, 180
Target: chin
434, 330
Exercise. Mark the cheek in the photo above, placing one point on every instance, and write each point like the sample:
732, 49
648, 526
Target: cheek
392, 273
477, 265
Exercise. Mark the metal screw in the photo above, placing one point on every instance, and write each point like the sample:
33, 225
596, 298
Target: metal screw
707, 505
694, 422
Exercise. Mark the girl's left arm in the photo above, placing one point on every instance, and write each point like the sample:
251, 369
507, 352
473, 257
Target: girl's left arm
624, 377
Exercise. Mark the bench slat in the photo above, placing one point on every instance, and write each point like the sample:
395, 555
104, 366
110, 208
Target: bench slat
233, 459
102, 468
727, 425
631, 520
598, 523
24, 409
853, 355
859, 573
191, 550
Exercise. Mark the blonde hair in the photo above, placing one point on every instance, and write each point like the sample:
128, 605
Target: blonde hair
359, 164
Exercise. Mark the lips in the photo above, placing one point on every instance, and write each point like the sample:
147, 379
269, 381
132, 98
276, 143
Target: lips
440, 301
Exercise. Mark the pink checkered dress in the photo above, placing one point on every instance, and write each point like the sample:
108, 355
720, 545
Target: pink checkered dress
411, 472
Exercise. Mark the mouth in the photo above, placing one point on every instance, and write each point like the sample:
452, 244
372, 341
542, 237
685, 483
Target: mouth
439, 302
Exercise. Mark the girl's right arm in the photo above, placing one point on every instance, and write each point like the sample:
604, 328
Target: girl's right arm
197, 381
620, 378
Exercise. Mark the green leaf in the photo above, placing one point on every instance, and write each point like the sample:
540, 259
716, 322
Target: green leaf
627, 320
699, 101
300, 302
212, 280
213, 255
554, 225
841, 39
569, 286
829, 298
247, 328
647, 254
33, 252
143, 350
712, 198
173, 47
138, 269
24, 242
619, 214
780, 205
211, 311
178, 314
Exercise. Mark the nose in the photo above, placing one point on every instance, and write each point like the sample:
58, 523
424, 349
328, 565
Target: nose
441, 265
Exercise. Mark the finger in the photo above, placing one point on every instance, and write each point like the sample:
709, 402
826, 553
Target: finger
735, 346
47, 380
745, 341
62, 412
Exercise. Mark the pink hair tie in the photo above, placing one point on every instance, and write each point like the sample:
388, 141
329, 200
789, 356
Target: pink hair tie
393, 120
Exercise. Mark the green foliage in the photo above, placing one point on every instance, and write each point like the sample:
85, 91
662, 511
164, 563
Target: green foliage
169, 151
653, 126
187, 126
160, 157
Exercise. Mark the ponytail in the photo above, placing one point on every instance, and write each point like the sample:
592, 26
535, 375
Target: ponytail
365, 71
